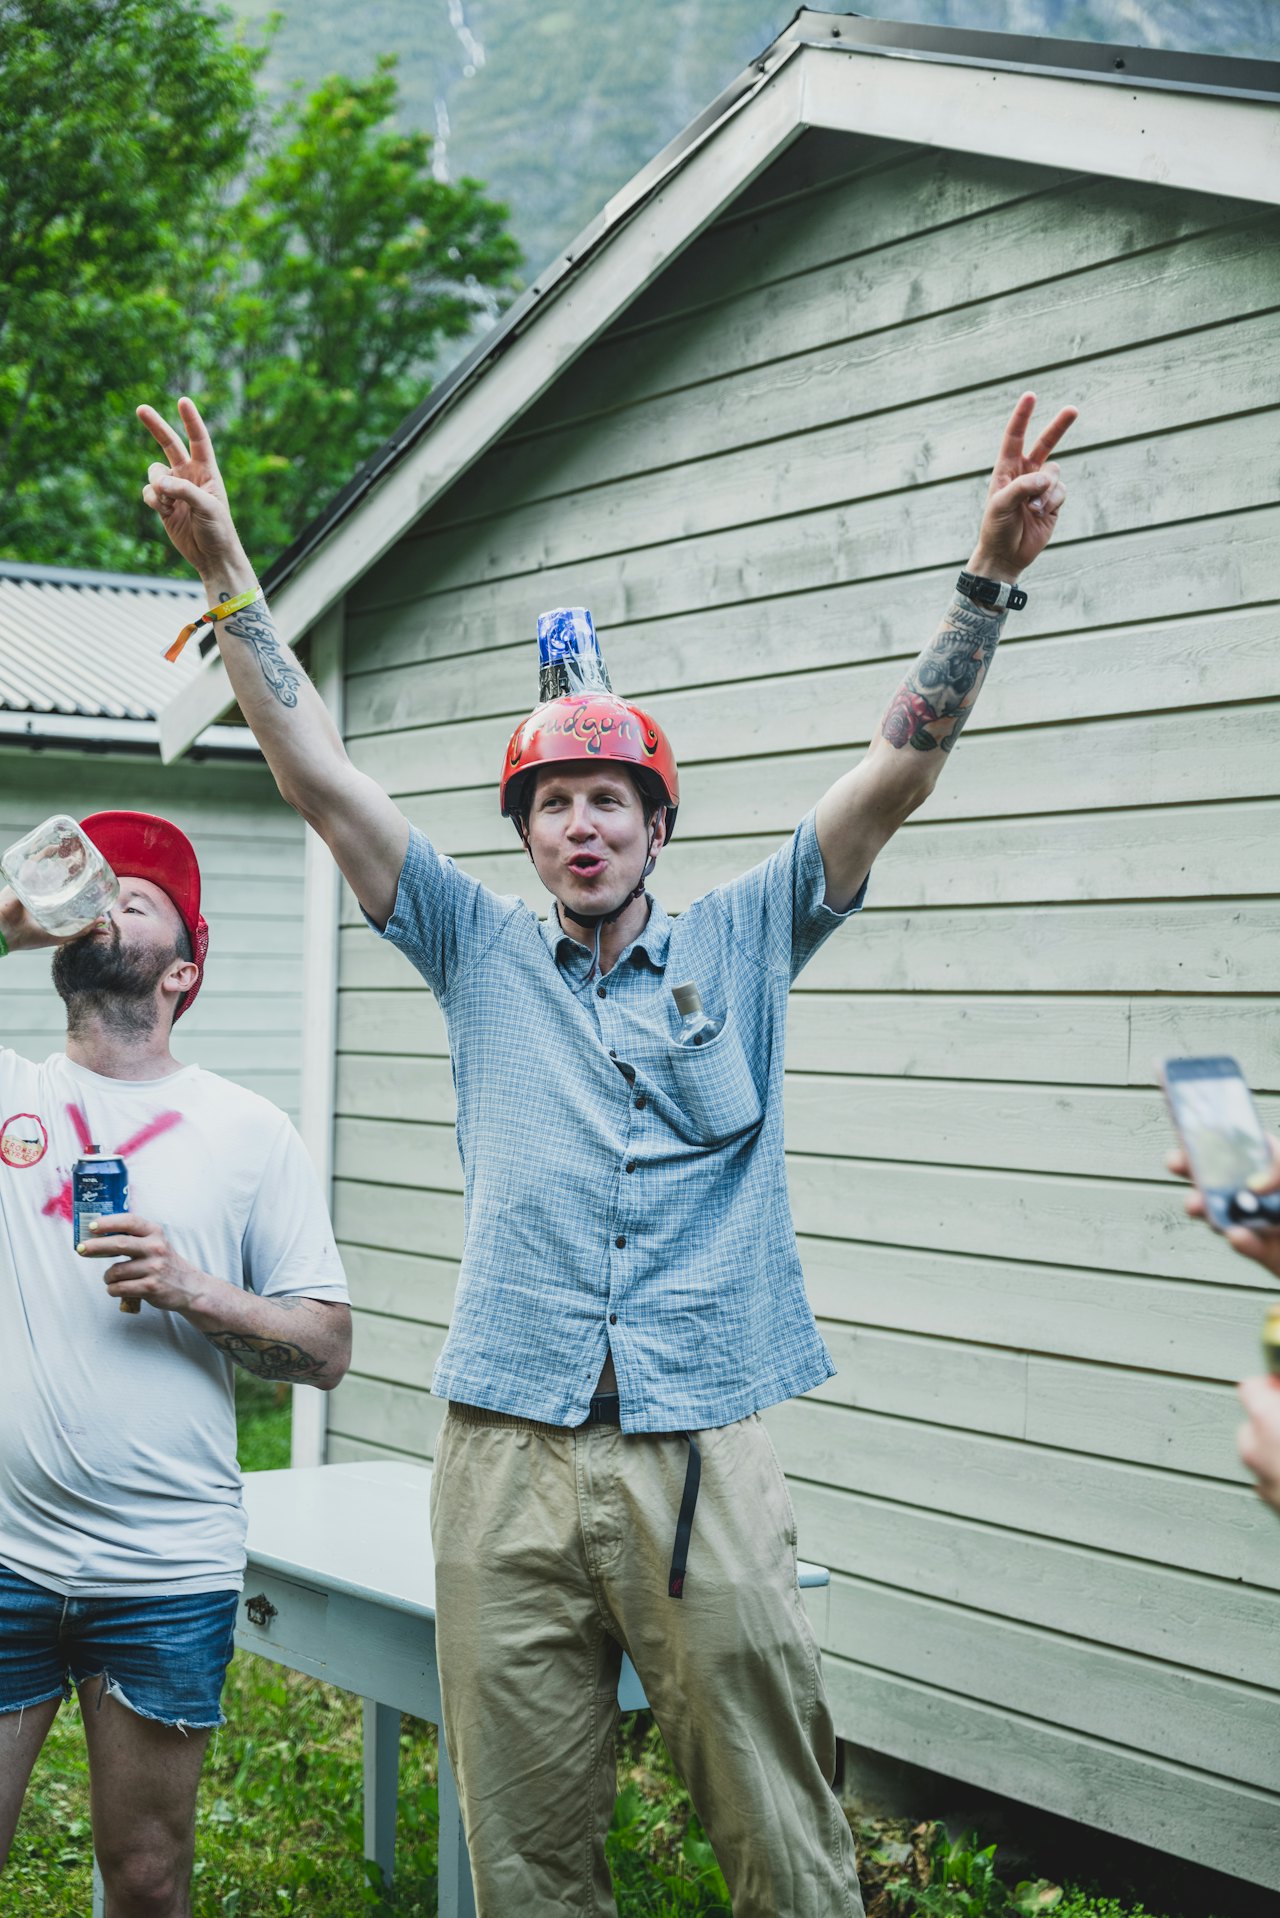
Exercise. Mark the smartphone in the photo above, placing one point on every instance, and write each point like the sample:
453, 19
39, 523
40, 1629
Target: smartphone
1213, 1112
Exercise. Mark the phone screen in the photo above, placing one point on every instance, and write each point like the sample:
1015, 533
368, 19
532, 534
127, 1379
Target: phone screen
1220, 1129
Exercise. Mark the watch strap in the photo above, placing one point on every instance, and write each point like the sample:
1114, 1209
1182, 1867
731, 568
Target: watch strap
1000, 595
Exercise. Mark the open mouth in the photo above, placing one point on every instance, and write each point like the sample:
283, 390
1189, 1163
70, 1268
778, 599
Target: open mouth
584, 866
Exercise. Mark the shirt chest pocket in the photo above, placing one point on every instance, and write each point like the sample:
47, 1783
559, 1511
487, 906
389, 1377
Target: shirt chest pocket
713, 1088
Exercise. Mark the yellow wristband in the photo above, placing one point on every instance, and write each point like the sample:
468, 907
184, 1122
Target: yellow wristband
210, 618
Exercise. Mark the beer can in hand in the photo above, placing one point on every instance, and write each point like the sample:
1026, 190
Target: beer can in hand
99, 1190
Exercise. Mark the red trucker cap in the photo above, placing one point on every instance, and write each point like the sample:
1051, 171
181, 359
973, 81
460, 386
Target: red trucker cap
138, 845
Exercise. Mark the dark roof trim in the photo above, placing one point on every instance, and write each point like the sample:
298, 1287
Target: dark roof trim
76, 576
520, 313
846, 32
1155, 67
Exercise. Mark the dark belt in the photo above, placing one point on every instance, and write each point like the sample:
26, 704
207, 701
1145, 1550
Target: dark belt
606, 1409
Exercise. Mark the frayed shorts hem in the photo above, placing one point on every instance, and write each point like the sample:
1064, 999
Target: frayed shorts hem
111, 1688
164, 1658
62, 1694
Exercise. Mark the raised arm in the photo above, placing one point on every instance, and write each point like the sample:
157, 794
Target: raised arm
366, 832
860, 813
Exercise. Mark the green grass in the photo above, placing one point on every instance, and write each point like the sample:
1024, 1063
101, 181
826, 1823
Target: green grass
279, 1819
280, 1815
262, 1424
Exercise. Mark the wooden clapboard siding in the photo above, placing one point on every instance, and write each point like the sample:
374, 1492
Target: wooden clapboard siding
1184, 1618
1219, 560
791, 481
1051, 1573
1183, 1810
247, 1021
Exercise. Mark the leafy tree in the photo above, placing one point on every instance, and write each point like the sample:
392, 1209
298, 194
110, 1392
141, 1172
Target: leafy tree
348, 266
156, 236
123, 123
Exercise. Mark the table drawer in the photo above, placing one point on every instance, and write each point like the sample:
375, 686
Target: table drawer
279, 1618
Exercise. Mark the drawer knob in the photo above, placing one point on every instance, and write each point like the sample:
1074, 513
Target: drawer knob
261, 1611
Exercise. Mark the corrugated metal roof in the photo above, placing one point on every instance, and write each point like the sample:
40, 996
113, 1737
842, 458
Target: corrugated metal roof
92, 644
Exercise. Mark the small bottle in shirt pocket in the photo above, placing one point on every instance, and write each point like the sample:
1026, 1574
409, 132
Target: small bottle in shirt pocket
695, 1026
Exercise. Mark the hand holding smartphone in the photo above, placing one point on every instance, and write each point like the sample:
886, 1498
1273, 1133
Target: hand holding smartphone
1226, 1148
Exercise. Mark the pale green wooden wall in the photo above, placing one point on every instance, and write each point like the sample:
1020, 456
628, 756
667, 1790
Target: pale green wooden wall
1049, 1572
247, 1022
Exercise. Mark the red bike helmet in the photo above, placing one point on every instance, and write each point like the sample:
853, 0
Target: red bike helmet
586, 729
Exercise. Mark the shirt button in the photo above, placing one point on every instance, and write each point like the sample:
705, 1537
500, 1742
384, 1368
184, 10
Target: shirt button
620, 1241
613, 1318
630, 1166
641, 1102
601, 993
612, 1053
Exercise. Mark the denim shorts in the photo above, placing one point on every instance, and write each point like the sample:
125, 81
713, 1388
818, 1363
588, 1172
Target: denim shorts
165, 1658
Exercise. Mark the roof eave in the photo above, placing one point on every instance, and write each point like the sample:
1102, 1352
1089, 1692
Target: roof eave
1169, 119
76, 732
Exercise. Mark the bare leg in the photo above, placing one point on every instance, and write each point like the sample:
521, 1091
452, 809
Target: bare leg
142, 1780
21, 1736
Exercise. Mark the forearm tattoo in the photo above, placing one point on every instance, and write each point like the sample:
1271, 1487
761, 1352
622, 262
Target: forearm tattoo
269, 1358
256, 628
930, 708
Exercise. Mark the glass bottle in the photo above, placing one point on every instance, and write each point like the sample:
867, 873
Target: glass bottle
695, 1027
60, 876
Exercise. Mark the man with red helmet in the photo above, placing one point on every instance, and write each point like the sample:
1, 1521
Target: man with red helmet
121, 1523
630, 1294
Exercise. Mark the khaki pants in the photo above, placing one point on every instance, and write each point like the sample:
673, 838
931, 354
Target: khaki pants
552, 1551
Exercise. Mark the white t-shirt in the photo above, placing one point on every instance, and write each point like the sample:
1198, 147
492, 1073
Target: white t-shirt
118, 1469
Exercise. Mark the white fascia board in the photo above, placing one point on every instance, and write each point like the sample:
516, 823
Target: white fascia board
1197, 141
202, 700
316, 1091
577, 312
77, 729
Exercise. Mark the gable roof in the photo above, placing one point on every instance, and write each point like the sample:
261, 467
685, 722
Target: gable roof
82, 658
1201, 123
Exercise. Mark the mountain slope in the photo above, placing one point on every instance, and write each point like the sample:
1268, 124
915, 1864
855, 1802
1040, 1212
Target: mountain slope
555, 104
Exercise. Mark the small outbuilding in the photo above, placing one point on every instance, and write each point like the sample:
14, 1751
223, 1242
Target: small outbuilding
82, 680
747, 419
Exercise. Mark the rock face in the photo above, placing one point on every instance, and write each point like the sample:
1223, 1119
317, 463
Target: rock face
555, 104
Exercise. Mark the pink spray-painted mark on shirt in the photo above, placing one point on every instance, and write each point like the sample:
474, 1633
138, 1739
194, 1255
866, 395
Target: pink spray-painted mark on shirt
59, 1205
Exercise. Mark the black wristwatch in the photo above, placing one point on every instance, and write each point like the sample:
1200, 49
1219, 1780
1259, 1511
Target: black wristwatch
999, 594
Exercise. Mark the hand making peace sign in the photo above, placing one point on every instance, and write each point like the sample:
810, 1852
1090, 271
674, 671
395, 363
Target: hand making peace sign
188, 492
1024, 496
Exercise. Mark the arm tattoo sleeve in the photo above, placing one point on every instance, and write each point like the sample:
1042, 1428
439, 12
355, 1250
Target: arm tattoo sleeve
929, 709
268, 1358
256, 628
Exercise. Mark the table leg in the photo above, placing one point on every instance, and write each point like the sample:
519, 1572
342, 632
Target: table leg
381, 1784
99, 1893
456, 1894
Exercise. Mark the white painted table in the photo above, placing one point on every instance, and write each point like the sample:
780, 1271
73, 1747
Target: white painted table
341, 1585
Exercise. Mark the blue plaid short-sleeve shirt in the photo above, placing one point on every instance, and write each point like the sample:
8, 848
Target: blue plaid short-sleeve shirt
622, 1190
